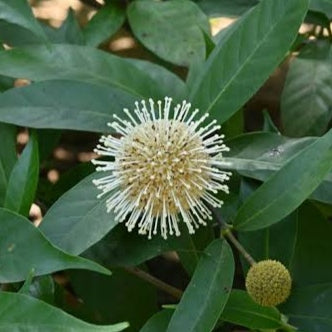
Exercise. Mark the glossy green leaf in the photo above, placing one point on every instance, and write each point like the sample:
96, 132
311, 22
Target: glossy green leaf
6, 82
309, 308
268, 124
288, 187
242, 310
64, 105
306, 103
68, 33
22, 313
23, 179
115, 298
244, 60
104, 24
259, 155
170, 17
43, 288
207, 293
190, 247
82, 63
121, 248
217, 8
310, 262
18, 12
158, 322
23, 248
323, 6
78, 219
266, 244
7, 156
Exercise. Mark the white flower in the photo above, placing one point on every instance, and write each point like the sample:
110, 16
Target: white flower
164, 167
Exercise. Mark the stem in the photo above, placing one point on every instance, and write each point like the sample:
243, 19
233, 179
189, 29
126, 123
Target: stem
227, 233
175, 292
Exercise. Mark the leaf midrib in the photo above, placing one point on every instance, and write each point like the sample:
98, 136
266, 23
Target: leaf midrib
273, 202
259, 44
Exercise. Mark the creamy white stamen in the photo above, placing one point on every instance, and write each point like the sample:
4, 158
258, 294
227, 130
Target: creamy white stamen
164, 168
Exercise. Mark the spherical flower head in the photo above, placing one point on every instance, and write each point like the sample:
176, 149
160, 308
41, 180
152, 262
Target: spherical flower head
269, 283
164, 168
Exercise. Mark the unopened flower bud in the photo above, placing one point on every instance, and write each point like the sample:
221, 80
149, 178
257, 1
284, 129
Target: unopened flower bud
269, 283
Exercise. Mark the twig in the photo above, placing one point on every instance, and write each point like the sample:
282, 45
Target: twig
227, 233
175, 292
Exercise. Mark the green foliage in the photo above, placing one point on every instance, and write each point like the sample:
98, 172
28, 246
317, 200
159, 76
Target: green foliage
244, 55
22, 183
39, 316
241, 309
310, 165
165, 40
307, 95
7, 157
24, 248
104, 24
56, 276
210, 287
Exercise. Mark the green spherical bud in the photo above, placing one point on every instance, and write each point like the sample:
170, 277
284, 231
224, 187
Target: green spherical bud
268, 283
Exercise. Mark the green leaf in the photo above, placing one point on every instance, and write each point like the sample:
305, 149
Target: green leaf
158, 322
247, 56
309, 308
115, 298
191, 247
21, 313
78, 219
23, 248
18, 12
207, 293
288, 187
23, 179
64, 105
306, 103
310, 261
15, 35
323, 6
266, 244
104, 24
43, 288
68, 33
242, 310
82, 63
121, 248
259, 155
6, 82
217, 8
27, 282
7, 156
170, 17
268, 124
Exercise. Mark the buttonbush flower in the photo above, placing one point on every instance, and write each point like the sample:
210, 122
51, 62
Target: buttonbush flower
163, 168
268, 282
